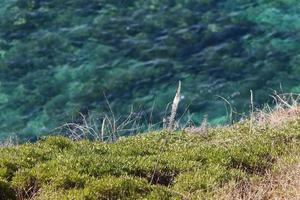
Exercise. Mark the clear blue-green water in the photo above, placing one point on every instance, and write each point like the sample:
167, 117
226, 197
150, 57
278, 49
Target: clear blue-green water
57, 58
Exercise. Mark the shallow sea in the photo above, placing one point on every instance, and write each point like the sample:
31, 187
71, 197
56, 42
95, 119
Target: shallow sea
62, 58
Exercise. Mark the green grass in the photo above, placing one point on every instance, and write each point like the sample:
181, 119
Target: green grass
157, 165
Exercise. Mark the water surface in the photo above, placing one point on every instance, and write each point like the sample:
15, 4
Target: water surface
58, 58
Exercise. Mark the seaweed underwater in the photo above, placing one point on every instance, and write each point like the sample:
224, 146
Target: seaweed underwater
57, 59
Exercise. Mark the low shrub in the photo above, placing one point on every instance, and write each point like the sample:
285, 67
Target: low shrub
157, 165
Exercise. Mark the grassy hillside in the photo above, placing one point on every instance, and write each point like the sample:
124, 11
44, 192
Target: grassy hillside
242, 161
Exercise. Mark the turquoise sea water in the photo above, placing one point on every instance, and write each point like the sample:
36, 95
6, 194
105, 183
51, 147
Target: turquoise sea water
57, 58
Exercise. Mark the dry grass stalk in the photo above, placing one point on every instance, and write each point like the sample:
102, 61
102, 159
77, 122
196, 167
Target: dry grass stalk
9, 142
109, 128
202, 129
174, 108
286, 109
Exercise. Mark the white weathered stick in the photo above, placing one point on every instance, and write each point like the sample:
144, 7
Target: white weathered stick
174, 108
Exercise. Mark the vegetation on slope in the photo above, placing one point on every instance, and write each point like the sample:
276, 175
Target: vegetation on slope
158, 165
